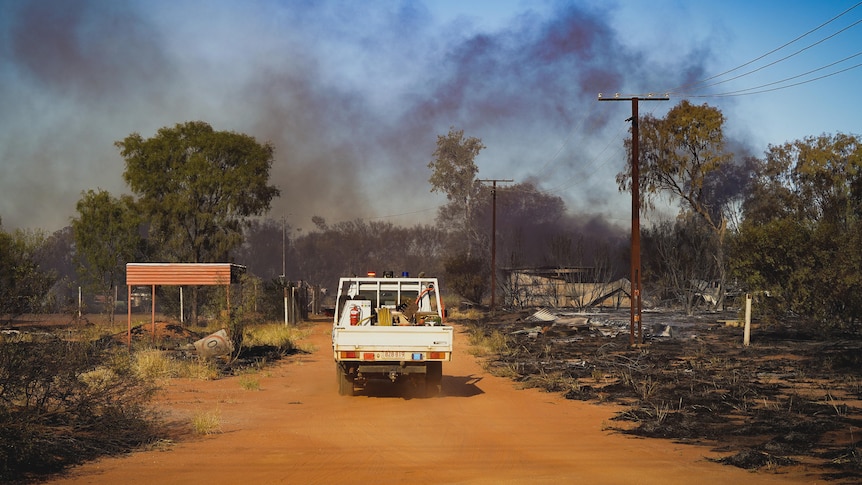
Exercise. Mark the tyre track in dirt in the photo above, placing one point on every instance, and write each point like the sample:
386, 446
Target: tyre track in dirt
481, 429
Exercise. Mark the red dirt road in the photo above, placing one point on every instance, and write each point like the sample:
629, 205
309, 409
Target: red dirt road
482, 429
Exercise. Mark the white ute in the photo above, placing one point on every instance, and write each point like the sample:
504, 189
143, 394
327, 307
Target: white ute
390, 328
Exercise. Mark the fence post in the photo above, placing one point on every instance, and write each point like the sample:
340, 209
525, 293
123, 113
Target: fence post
746, 338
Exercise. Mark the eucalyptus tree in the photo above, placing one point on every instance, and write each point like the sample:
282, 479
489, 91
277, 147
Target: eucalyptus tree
801, 238
106, 238
196, 187
23, 283
681, 155
453, 172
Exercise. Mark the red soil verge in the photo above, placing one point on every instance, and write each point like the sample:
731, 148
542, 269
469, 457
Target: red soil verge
482, 429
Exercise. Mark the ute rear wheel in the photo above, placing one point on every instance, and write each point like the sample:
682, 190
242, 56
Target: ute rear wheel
345, 381
433, 378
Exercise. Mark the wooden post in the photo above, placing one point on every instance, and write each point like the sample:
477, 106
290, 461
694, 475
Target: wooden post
635, 294
494, 238
129, 309
154, 313
636, 305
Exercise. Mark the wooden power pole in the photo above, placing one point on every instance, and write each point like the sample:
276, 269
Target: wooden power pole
494, 236
636, 289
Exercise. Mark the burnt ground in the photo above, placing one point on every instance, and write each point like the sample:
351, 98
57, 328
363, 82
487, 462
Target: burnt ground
788, 399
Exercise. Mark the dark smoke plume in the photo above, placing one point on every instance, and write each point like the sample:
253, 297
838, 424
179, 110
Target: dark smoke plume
353, 96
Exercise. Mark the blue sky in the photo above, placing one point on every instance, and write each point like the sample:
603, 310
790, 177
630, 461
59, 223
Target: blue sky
354, 94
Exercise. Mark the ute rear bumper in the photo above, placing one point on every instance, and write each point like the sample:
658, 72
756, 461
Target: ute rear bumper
388, 369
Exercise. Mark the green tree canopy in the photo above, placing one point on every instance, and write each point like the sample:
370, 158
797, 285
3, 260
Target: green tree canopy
106, 238
23, 284
196, 186
801, 239
453, 172
681, 155
678, 154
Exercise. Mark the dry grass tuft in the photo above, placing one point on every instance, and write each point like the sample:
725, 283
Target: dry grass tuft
486, 345
249, 383
154, 365
278, 335
207, 422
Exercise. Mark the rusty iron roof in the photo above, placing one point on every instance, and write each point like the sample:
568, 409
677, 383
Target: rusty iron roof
177, 274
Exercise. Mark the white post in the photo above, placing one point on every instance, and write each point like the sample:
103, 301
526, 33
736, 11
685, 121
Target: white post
285, 305
80, 302
182, 314
283, 263
746, 338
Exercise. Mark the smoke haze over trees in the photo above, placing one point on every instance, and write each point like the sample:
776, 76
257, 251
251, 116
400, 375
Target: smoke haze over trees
796, 243
332, 94
353, 109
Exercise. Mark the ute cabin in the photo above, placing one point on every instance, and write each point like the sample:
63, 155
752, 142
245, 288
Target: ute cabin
389, 301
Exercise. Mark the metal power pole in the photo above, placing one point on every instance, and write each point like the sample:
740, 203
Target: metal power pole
636, 288
494, 236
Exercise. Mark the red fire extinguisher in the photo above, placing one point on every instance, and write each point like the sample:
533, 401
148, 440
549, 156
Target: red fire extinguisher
354, 315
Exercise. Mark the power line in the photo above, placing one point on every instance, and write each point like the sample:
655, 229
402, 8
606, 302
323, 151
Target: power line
572, 132
702, 82
759, 90
783, 58
578, 179
598, 160
772, 86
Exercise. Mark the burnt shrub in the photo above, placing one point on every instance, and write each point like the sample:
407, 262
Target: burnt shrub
62, 403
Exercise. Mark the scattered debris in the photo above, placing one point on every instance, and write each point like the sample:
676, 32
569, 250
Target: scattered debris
165, 334
562, 325
574, 321
662, 330
214, 345
792, 398
541, 315
533, 332
16, 335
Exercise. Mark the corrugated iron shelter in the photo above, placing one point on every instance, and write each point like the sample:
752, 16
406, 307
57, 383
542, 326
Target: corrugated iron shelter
178, 274
564, 287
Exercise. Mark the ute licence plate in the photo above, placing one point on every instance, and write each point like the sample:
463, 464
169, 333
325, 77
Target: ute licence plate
391, 355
